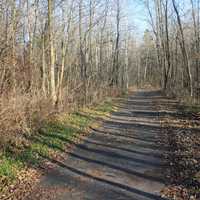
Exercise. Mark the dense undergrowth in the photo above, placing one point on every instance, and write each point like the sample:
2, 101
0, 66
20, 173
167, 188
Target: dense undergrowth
49, 141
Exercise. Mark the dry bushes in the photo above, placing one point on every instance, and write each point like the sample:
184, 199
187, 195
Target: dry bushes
21, 114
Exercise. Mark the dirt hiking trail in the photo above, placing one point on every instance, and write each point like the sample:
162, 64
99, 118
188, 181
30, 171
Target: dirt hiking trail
121, 160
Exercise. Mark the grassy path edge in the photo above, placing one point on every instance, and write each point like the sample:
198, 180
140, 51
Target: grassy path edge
20, 168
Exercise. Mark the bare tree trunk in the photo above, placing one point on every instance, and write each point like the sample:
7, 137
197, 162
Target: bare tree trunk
146, 65
115, 72
52, 55
183, 49
127, 65
14, 45
100, 70
196, 24
43, 65
82, 55
167, 50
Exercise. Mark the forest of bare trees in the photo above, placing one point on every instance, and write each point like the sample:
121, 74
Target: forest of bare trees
57, 56
52, 48
173, 43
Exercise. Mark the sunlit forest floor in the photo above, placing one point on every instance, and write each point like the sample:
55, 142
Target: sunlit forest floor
21, 168
121, 159
139, 146
181, 137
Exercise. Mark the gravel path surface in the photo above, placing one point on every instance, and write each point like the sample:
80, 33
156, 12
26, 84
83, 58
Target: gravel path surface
121, 160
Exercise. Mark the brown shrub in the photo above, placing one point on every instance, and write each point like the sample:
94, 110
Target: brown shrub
21, 114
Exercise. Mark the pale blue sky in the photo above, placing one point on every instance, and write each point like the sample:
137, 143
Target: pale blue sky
137, 15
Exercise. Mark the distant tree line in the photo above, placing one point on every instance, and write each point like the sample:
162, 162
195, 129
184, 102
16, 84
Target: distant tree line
172, 46
57, 55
